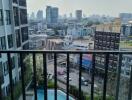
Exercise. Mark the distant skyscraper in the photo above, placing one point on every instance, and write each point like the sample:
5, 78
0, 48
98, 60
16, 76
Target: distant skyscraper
65, 16
32, 16
40, 15
70, 15
78, 14
52, 14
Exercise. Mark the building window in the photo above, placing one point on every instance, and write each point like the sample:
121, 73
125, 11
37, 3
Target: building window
127, 73
15, 1
18, 38
2, 43
1, 17
22, 2
23, 16
10, 41
16, 16
8, 17
24, 32
129, 59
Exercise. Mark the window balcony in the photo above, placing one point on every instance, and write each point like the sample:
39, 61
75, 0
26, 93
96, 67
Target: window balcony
22, 3
15, 1
71, 93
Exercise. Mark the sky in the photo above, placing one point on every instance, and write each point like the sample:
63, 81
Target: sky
89, 7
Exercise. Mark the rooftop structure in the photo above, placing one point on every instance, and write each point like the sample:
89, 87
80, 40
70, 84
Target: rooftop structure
115, 26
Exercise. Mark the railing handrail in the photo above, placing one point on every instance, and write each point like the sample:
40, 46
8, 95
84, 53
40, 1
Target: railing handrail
67, 51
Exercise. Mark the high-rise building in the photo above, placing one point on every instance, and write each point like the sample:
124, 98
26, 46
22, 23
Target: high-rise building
106, 41
79, 14
52, 15
13, 36
32, 16
39, 15
70, 15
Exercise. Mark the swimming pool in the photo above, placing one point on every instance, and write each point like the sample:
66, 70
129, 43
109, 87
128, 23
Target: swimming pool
60, 95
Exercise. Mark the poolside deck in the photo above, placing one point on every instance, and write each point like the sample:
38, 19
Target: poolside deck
29, 95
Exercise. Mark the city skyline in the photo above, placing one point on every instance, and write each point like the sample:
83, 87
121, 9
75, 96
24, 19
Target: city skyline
89, 7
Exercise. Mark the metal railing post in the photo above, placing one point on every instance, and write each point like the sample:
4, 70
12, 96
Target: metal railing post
22, 76
45, 75
105, 76
67, 85
118, 77
92, 78
10, 75
80, 74
34, 76
55, 74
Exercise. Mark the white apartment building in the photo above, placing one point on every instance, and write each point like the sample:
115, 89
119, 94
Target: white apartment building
13, 36
77, 30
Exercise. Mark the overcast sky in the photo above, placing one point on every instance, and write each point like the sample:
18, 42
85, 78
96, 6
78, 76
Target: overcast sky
89, 7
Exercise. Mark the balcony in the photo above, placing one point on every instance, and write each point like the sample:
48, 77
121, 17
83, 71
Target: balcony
76, 93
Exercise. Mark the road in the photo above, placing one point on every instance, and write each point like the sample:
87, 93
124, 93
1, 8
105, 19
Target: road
74, 76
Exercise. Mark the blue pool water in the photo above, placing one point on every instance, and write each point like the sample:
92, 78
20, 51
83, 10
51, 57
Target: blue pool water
60, 95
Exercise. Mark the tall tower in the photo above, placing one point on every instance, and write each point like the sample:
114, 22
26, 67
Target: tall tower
52, 15
39, 15
48, 14
78, 15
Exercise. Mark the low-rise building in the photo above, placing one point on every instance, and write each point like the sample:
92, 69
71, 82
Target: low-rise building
114, 26
78, 30
107, 37
52, 44
36, 41
81, 45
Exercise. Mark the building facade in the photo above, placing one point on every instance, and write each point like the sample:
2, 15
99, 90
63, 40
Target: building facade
52, 14
107, 37
36, 41
106, 41
126, 30
126, 66
126, 45
13, 36
78, 15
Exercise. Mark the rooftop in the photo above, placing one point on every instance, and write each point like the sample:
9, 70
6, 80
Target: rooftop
56, 40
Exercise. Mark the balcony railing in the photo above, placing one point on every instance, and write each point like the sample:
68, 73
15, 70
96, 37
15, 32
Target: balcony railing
44, 54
